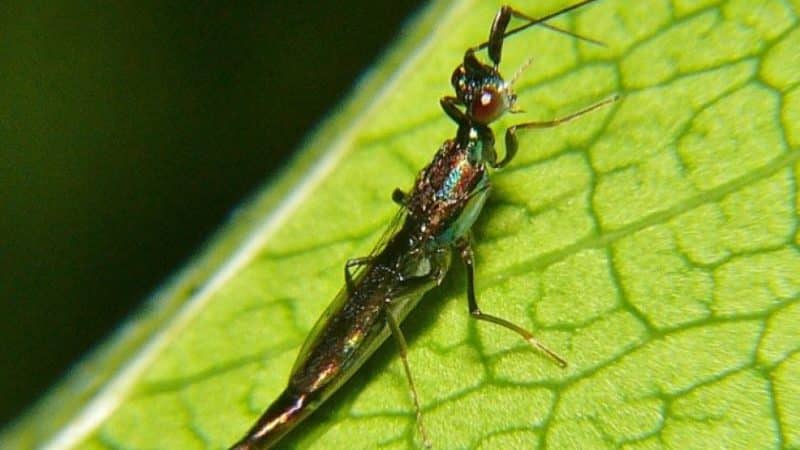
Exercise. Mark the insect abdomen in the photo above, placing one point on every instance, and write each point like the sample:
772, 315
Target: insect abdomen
283, 414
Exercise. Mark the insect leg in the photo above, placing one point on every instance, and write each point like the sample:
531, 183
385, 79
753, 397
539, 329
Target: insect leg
511, 132
498, 33
450, 107
353, 262
465, 251
401, 343
399, 197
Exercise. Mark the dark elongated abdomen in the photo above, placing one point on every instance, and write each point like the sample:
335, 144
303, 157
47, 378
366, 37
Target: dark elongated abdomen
282, 415
348, 332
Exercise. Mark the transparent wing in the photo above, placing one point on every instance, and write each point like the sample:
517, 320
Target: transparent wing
344, 296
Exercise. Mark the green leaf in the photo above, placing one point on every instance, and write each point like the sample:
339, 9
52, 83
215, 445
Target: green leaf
654, 244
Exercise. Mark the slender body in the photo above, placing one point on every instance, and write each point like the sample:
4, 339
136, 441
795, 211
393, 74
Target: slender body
414, 255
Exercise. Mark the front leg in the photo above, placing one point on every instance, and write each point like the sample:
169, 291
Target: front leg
450, 105
499, 31
511, 133
465, 251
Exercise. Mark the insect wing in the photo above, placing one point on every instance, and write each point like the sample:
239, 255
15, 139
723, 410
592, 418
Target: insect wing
345, 295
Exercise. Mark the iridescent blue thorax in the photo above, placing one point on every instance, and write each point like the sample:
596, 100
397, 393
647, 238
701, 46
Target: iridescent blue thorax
449, 193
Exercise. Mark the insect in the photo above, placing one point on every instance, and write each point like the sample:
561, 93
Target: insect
414, 255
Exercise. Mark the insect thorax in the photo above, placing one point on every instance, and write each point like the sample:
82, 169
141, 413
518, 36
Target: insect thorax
450, 191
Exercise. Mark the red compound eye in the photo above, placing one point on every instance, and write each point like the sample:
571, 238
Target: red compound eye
488, 105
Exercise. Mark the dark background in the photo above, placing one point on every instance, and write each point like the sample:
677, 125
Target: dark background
128, 131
